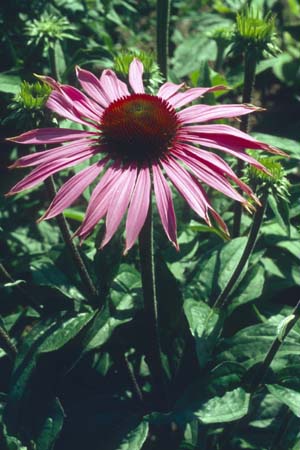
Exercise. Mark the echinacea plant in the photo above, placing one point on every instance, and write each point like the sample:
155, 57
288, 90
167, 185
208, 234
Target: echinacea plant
141, 141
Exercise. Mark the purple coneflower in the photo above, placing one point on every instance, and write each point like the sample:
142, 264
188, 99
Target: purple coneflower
141, 141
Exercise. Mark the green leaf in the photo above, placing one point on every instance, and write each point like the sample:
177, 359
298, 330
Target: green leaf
231, 406
216, 268
249, 289
280, 208
9, 83
10, 442
288, 145
48, 335
46, 273
203, 322
59, 59
135, 438
287, 396
52, 427
250, 345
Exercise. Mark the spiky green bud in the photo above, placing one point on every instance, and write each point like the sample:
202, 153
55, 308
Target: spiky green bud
152, 76
27, 107
32, 96
274, 179
255, 33
48, 29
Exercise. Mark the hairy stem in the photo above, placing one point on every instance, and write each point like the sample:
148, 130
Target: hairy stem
162, 35
264, 366
136, 388
7, 344
249, 79
258, 218
78, 261
154, 359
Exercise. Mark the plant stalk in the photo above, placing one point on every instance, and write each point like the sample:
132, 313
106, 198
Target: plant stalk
154, 356
258, 218
162, 35
7, 344
263, 368
65, 231
249, 80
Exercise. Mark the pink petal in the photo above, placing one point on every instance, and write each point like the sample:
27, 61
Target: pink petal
84, 106
192, 191
92, 86
203, 113
138, 208
99, 200
50, 136
48, 80
113, 87
55, 154
213, 162
72, 189
182, 98
168, 89
165, 205
210, 177
63, 106
227, 135
136, 70
46, 170
187, 187
119, 202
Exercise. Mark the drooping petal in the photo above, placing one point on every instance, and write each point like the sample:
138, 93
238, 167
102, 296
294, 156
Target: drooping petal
138, 208
227, 135
192, 191
99, 201
212, 178
92, 86
48, 80
182, 98
64, 107
113, 87
50, 136
165, 205
187, 187
44, 171
203, 113
119, 202
214, 163
72, 189
168, 89
136, 70
55, 154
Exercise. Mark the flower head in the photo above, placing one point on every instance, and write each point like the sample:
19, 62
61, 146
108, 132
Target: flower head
142, 142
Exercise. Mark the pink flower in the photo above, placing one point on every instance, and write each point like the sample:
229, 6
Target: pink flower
140, 140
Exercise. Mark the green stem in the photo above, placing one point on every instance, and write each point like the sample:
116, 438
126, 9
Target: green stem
65, 231
7, 344
162, 35
52, 63
154, 359
136, 388
258, 218
287, 415
263, 368
249, 79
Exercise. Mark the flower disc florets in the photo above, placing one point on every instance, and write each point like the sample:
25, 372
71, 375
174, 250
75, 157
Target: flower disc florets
139, 128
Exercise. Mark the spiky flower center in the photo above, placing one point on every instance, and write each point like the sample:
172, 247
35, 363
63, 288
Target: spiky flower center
140, 128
